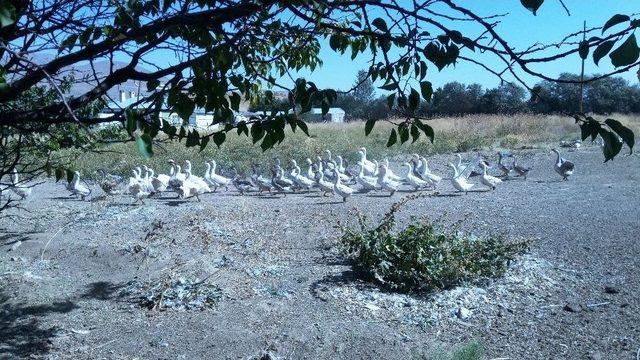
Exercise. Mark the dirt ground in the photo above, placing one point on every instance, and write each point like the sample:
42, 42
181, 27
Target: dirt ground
71, 274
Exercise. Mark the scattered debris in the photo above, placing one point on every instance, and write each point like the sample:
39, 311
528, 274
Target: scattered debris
15, 245
180, 294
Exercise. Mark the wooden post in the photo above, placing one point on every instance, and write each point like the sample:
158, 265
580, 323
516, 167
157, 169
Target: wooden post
584, 36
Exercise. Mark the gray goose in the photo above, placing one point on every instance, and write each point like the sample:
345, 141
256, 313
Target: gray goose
519, 169
506, 170
563, 166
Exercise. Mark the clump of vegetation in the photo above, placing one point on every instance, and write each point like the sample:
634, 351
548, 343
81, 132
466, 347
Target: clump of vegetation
180, 294
470, 351
423, 256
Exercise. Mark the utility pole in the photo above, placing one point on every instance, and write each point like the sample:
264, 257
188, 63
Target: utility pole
584, 36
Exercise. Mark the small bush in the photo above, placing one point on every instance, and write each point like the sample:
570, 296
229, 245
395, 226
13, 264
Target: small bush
422, 256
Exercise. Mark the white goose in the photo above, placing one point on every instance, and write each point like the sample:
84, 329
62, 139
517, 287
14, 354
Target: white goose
366, 182
78, 189
22, 190
301, 180
340, 164
177, 177
458, 181
278, 180
324, 185
196, 182
193, 186
563, 166
369, 167
341, 190
488, 180
147, 180
427, 175
135, 187
390, 174
412, 179
160, 182
417, 164
384, 182
310, 172
219, 179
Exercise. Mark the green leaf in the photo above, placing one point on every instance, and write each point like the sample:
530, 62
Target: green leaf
368, 126
257, 132
389, 86
414, 100
615, 20
612, 144
589, 128
7, 13
131, 116
626, 54
235, 101
602, 50
203, 143
242, 128
415, 133
334, 42
583, 49
391, 100
68, 43
393, 138
404, 133
219, 138
532, 5
184, 106
143, 143
303, 126
426, 129
624, 132
267, 142
427, 90
193, 138
380, 24
152, 85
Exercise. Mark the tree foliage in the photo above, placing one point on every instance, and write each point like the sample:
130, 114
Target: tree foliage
223, 51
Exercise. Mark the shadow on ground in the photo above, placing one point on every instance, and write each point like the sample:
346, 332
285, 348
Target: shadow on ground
21, 332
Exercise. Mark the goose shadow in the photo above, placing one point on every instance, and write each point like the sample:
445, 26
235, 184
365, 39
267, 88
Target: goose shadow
379, 195
65, 198
122, 204
268, 197
330, 203
449, 194
176, 203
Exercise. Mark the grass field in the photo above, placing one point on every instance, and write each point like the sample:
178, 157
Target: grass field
451, 135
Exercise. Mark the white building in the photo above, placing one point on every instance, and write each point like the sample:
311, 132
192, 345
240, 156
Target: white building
199, 120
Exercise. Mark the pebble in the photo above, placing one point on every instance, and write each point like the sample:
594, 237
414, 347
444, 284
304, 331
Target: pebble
463, 313
572, 307
611, 289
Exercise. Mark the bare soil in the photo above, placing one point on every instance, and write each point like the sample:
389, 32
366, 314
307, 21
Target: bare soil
72, 272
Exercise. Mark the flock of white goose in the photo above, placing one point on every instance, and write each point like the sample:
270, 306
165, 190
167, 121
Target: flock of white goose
328, 174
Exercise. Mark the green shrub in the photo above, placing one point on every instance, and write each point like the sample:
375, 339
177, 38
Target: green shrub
470, 351
422, 256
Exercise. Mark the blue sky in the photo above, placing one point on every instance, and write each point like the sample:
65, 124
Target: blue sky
520, 28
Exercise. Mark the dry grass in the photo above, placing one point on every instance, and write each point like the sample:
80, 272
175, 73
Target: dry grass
451, 134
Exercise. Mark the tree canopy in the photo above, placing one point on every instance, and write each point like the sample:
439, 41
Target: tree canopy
228, 50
